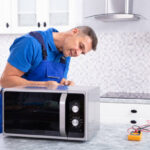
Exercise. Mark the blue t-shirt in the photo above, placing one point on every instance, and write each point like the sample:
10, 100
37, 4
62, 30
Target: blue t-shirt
26, 53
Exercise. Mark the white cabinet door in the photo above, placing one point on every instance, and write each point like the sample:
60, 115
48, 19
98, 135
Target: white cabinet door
64, 14
42, 14
24, 14
125, 113
58, 12
5, 16
1, 17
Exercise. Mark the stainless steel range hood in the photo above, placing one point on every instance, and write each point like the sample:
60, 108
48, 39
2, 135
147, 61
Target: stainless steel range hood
118, 10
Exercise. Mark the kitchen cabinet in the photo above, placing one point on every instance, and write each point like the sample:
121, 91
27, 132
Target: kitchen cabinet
21, 16
5, 16
0, 15
138, 114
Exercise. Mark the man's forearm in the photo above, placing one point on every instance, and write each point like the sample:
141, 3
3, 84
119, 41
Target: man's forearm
11, 81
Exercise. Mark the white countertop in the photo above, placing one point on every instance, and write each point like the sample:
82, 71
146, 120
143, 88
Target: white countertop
124, 97
124, 101
109, 137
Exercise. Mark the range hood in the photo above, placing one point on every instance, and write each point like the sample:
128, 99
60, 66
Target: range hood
118, 10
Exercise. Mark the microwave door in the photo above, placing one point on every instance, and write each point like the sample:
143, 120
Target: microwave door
34, 113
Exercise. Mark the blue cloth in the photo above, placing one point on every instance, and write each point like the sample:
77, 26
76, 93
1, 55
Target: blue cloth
26, 54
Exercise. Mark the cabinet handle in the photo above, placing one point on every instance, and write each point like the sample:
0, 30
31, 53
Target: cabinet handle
133, 121
44, 24
133, 111
7, 25
38, 24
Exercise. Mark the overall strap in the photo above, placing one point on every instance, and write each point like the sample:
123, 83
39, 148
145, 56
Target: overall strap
39, 38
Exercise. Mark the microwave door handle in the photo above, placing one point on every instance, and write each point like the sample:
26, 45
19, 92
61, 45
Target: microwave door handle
62, 114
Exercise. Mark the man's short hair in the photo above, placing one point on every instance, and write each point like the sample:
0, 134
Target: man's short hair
89, 32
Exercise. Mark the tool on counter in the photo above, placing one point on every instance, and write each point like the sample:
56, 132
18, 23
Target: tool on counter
135, 136
135, 132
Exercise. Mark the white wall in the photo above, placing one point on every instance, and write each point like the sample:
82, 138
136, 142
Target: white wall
121, 63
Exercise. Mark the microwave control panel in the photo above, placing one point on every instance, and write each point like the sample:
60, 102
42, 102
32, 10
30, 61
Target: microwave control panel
75, 115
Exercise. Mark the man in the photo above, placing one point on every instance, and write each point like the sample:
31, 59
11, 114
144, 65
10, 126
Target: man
43, 57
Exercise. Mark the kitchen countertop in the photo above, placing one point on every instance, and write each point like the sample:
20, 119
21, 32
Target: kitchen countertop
109, 137
124, 97
124, 101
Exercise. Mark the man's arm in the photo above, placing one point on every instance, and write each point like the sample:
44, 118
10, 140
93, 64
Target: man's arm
12, 77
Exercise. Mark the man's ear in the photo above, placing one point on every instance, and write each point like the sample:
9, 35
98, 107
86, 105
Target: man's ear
75, 30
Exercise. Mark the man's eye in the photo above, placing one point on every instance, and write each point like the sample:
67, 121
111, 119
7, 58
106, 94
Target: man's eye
81, 46
83, 53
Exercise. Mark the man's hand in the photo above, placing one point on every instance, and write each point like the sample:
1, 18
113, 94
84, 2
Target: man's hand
52, 85
66, 82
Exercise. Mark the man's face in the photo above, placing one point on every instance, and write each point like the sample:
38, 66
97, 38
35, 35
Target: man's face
77, 44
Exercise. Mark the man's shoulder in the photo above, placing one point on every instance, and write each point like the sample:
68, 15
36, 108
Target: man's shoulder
25, 44
48, 31
25, 39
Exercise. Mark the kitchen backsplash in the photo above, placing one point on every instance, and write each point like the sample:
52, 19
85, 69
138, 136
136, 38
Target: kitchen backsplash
120, 63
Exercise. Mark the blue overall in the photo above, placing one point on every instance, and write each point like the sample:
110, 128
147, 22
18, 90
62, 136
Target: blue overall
46, 70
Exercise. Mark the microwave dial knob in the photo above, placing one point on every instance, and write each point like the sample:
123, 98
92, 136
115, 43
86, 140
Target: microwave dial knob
75, 122
75, 108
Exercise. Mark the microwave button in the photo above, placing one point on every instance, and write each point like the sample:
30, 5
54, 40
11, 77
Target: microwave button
75, 122
75, 109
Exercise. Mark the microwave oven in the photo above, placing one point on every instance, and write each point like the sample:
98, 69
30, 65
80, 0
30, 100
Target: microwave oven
65, 112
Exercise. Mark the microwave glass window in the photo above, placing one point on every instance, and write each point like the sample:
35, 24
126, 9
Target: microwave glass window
32, 113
